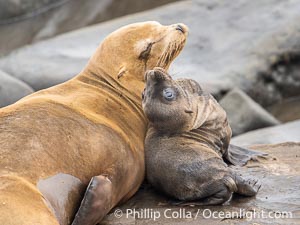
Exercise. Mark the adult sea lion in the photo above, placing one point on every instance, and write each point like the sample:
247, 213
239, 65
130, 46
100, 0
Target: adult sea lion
89, 130
187, 137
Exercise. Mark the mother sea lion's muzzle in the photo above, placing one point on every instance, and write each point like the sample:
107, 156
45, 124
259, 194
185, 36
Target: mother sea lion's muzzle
182, 28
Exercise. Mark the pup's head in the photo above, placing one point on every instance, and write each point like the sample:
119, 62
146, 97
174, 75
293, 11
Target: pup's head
170, 105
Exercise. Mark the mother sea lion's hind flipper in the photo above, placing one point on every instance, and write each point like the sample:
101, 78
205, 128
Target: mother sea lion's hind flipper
96, 202
239, 156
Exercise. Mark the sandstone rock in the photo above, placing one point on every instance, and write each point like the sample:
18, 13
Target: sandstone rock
22, 22
244, 114
12, 89
271, 135
279, 176
236, 43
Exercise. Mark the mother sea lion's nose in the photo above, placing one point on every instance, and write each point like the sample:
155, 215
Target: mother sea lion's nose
182, 28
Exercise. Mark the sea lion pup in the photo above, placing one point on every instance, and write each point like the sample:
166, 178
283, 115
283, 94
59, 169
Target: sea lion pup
89, 130
187, 137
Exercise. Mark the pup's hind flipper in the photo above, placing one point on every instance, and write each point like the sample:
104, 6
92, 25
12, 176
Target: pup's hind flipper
239, 156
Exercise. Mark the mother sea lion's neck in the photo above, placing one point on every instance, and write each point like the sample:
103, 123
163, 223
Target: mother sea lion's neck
127, 101
97, 77
101, 92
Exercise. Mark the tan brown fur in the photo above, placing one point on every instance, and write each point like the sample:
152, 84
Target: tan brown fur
90, 125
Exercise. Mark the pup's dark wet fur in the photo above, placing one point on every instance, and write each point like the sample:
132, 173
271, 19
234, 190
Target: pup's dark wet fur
187, 139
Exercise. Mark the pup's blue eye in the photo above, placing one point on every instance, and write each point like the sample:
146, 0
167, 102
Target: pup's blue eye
169, 94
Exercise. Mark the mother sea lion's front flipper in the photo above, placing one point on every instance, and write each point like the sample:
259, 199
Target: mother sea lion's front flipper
96, 202
239, 156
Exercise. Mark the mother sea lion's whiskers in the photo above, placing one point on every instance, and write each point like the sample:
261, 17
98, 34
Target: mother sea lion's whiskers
170, 53
162, 60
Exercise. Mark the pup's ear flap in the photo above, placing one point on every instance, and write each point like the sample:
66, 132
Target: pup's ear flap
190, 86
202, 110
198, 100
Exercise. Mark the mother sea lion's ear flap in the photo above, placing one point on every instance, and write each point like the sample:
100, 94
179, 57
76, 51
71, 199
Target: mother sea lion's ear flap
121, 72
202, 108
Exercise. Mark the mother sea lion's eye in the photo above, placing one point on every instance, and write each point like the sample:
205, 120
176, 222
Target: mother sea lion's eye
145, 54
169, 94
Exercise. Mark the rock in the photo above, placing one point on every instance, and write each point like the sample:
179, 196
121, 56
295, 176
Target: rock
45, 64
279, 176
236, 43
271, 135
286, 110
22, 22
12, 89
244, 114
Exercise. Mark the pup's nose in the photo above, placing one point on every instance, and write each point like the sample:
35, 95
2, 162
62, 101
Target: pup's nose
150, 75
156, 74
147, 74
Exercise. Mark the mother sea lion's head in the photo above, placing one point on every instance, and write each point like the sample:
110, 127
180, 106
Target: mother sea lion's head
125, 55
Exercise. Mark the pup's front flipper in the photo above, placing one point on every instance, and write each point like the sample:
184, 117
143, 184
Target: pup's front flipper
239, 156
247, 187
96, 202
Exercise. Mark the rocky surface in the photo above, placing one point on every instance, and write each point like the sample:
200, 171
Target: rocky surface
246, 44
253, 45
12, 89
22, 22
244, 114
278, 197
286, 110
271, 135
